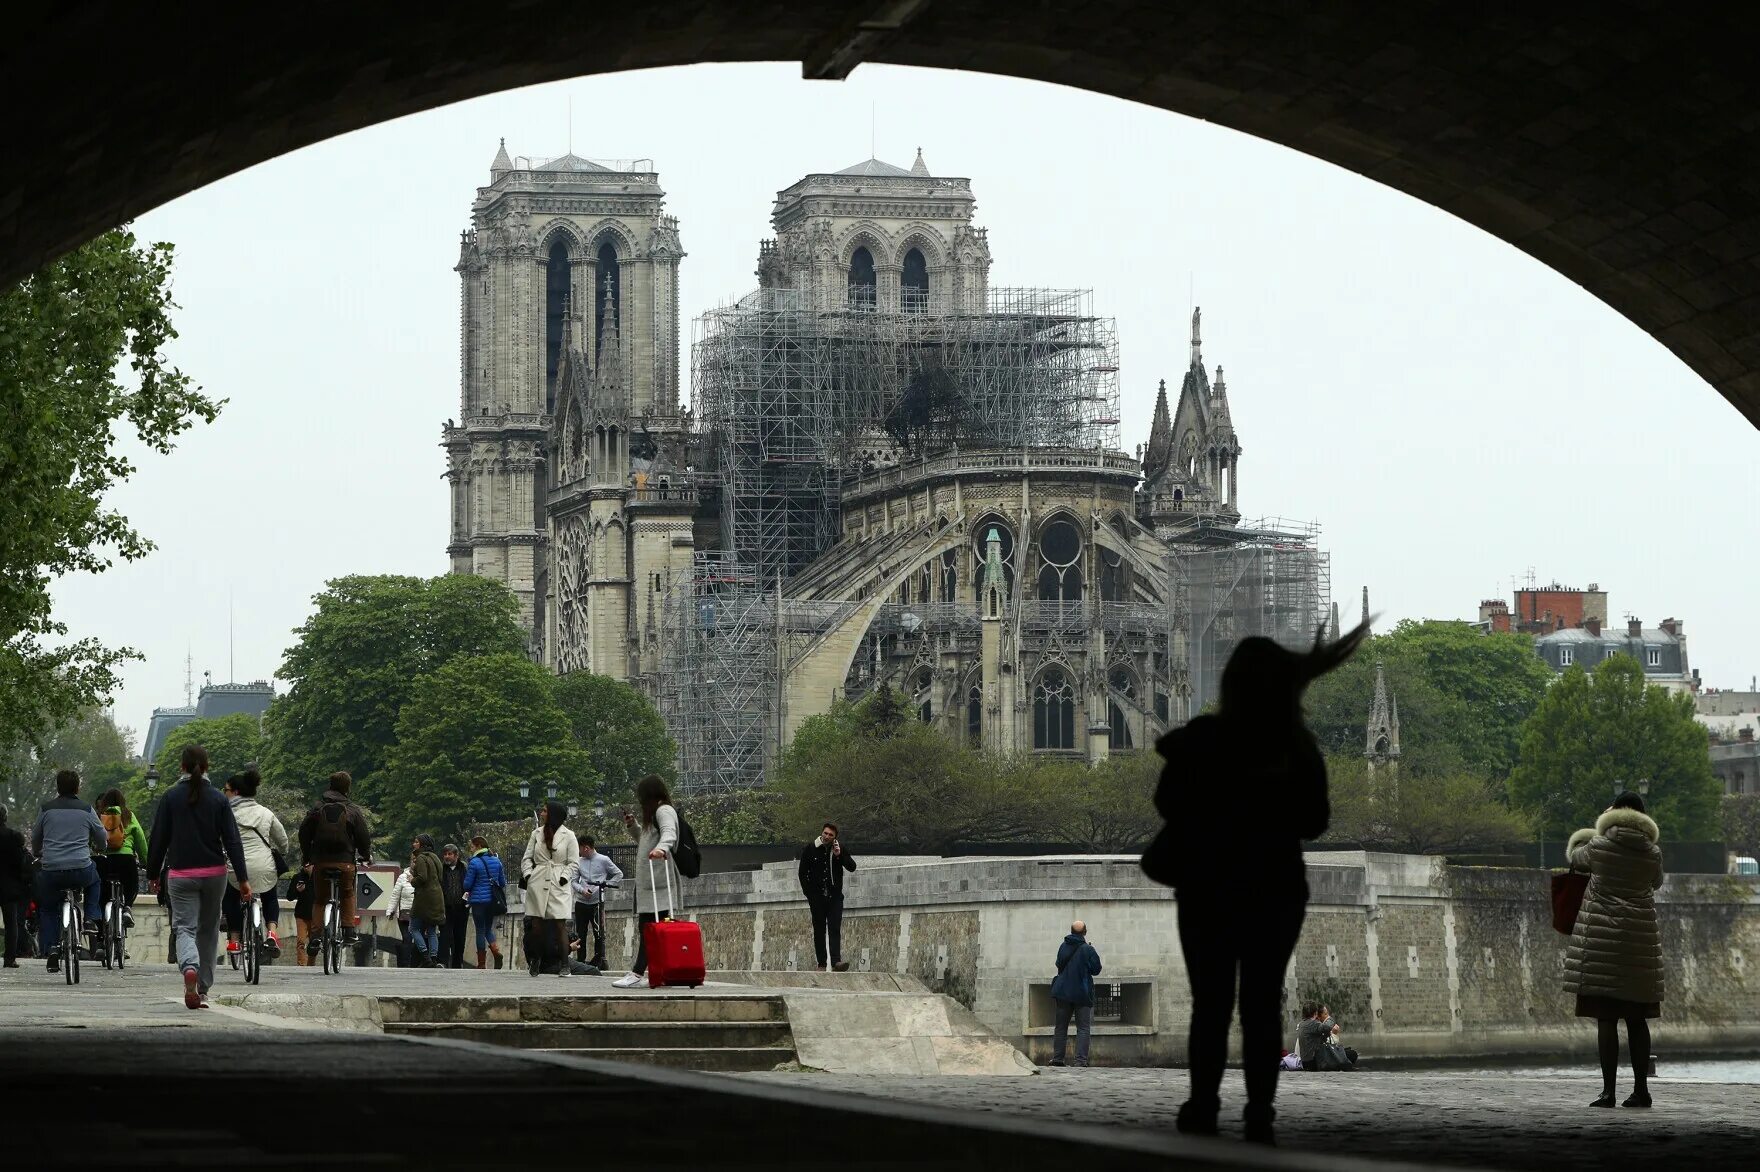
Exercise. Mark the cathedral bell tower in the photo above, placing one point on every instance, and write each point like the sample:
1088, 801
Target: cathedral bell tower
1381, 745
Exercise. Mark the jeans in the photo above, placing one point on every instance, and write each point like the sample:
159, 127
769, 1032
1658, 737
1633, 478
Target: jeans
424, 936
1252, 933
50, 885
828, 928
483, 916
587, 923
1084, 1015
232, 909
452, 935
195, 924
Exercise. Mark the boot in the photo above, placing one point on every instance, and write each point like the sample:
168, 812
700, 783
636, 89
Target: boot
495, 951
482, 959
1257, 1124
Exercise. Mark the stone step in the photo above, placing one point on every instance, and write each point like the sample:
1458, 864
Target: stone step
575, 1008
650, 1035
723, 1059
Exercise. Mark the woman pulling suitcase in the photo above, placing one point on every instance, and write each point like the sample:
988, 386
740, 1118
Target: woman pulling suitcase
678, 963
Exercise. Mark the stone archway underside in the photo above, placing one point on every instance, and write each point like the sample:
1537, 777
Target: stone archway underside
1617, 143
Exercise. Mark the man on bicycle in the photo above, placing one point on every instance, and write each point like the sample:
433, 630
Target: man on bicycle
332, 837
66, 836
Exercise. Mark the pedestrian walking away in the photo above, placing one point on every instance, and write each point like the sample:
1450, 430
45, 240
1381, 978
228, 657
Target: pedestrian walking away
194, 839
125, 849
485, 890
427, 912
1072, 993
1614, 963
458, 910
1240, 790
656, 840
823, 863
66, 836
546, 875
333, 837
299, 890
593, 875
265, 852
15, 887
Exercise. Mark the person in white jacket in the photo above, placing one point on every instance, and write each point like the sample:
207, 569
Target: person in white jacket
656, 842
265, 840
547, 873
403, 896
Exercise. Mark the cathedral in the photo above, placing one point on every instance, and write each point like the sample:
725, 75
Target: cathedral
890, 472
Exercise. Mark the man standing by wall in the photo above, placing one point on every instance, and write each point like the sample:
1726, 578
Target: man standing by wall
596, 872
823, 863
1073, 991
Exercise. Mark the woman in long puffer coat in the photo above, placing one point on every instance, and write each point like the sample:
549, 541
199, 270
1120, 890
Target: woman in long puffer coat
1614, 964
547, 873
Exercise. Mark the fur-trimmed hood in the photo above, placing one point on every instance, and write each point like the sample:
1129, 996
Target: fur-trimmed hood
1578, 838
1629, 819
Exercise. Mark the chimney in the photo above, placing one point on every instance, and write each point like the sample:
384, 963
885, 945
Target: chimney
1635, 628
1746, 736
1594, 625
1672, 626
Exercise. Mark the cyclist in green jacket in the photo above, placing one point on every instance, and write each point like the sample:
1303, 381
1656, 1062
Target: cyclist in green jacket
126, 850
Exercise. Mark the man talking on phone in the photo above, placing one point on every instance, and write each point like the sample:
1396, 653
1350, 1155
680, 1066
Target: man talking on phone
823, 863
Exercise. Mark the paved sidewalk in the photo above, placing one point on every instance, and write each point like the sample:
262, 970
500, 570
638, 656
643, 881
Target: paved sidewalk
1436, 1118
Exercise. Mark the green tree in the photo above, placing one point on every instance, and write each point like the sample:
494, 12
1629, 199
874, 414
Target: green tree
1425, 814
232, 743
1739, 823
619, 729
1108, 807
1594, 730
358, 660
90, 744
66, 334
470, 733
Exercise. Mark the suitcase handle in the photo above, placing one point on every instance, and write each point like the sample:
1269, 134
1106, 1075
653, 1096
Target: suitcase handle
655, 892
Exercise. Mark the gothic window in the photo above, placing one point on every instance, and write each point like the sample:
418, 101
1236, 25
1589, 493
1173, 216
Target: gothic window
949, 575
1114, 577
555, 298
1060, 548
914, 283
1122, 684
1054, 711
1118, 735
1161, 707
610, 285
861, 279
975, 715
921, 693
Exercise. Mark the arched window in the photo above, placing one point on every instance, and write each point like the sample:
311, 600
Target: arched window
975, 715
922, 695
1054, 711
1114, 577
1122, 685
1060, 548
913, 290
980, 538
861, 279
610, 284
949, 575
555, 299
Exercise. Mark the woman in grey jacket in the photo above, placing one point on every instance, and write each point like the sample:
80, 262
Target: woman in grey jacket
655, 844
1614, 964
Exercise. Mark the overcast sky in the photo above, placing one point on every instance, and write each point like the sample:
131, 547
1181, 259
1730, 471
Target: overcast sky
1452, 412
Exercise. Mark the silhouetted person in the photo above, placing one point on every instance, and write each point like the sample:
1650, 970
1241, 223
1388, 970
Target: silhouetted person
1614, 963
1240, 791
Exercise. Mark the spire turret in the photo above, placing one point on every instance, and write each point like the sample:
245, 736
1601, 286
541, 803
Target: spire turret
611, 390
502, 164
1160, 450
1221, 424
919, 167
1381, 744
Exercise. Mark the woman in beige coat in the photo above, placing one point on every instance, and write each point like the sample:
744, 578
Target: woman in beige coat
1614, 965
547, 875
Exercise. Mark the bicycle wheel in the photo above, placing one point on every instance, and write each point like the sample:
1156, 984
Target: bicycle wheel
327, 935
71, 942
119, 936
253, 945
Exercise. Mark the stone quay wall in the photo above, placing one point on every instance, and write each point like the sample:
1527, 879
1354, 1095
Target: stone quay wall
1415, 958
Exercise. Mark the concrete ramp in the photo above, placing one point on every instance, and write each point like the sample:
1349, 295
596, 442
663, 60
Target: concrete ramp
896, 1033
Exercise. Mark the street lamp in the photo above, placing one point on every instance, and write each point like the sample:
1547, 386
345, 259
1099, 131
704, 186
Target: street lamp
550, 791
1641, 786
598, 805
525, 790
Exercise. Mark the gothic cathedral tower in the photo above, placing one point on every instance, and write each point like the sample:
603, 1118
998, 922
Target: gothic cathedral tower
545, 236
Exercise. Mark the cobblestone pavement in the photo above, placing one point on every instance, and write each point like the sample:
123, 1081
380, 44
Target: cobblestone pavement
1433, 1118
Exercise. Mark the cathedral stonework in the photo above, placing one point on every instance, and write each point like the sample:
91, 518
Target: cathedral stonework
891, 474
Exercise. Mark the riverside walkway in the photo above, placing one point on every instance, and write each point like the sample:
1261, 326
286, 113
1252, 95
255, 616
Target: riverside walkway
116, 1073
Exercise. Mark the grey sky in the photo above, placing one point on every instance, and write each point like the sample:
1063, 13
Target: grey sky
1450, 410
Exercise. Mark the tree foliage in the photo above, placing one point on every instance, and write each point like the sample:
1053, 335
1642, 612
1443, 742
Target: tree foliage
358, 660
66, 334
1108, 807
91, 744
1594, 730
232, 743
1740, 823
469, 734
1418, 814
620, 730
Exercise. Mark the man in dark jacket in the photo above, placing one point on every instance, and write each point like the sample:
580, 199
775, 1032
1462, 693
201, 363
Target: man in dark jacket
823, 863
1073, 991
1317, 1041
15, 886
427, 913
333, 836
458, 912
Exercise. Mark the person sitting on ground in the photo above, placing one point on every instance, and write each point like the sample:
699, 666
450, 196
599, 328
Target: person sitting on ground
333, 836
1317, 1041
66, 837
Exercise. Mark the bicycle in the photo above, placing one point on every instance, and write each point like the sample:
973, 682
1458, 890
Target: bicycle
114, 937
253, 942
330, 931
73, 928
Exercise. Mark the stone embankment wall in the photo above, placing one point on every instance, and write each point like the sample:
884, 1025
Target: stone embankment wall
1416, 958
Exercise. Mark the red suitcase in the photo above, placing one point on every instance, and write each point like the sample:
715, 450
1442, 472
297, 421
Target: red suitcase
675, 947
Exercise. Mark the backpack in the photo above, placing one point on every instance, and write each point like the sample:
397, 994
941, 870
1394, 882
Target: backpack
115, 832
331, 835
688, 857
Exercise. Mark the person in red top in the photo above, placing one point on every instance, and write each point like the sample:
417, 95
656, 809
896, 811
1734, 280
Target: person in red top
194, 836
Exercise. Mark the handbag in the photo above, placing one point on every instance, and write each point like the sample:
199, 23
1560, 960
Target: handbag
275, 856
1568, 890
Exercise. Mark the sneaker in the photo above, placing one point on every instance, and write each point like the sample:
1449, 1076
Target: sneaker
1055, 1062
232, 948
841, 966
272, 947
313, 945
533, 964
127, 918
54, 964
349, 937
192, 996
627, 981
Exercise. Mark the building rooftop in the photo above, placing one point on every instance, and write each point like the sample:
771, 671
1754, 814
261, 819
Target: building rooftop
875, 167
571, 162
1615, 635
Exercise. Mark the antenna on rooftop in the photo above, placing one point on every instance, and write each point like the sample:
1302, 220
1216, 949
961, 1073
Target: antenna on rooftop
571, 124
189, 677
873, 123
231, 674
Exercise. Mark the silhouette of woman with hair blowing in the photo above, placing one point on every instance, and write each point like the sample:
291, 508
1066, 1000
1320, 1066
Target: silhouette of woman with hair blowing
1240, 791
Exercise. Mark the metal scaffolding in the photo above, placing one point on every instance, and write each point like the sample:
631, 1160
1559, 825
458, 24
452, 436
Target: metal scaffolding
1273, 581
